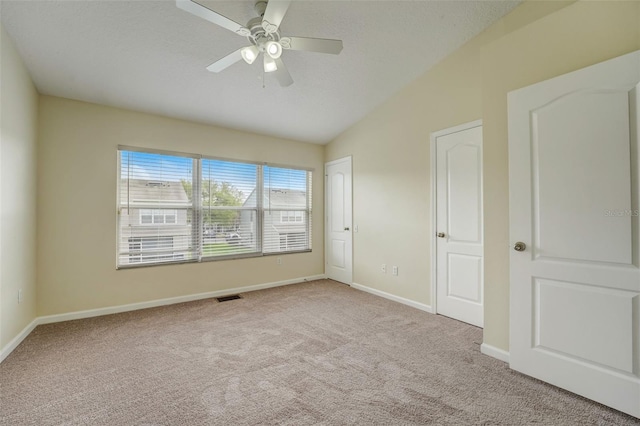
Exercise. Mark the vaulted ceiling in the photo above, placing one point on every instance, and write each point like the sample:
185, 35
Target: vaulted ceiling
151, 56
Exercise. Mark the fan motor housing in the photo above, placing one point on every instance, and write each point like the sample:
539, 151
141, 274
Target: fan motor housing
258, 34
260, 7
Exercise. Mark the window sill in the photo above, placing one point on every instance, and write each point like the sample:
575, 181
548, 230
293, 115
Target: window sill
213, 259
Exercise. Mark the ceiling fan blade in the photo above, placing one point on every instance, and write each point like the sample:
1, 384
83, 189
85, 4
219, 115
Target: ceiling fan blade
321, 45
273, 15
211, 16
226, 62
282, 74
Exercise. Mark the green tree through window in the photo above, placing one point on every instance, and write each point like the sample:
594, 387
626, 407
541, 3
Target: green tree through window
215, 194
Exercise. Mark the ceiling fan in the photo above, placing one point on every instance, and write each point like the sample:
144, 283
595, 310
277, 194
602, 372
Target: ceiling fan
263, 32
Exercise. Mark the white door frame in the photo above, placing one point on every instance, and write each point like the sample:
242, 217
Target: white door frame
326, 212
434, 203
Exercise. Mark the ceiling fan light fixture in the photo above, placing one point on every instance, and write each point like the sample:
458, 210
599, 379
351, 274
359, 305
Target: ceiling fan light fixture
273, 49
269, 64
263, 33
249, 54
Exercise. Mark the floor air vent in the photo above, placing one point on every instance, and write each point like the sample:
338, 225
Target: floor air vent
227, 298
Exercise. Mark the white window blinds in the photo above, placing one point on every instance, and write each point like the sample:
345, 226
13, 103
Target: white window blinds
243, 209
287, 210
155, 211
229, 208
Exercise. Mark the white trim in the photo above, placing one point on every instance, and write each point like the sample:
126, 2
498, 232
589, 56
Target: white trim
169, 301
434, 222
434, 225
143, 305
494, 352
395, 298
9, 347
456, 129
338, 161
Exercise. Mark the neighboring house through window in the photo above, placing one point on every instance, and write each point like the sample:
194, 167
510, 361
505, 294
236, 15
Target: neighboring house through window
182, 207
145, 249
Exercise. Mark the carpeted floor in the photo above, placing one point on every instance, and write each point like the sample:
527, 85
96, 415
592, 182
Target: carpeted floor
312, 353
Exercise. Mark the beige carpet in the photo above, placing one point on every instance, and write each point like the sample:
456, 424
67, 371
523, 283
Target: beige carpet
312, 353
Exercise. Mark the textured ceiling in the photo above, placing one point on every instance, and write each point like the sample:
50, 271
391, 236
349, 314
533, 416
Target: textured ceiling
151, 56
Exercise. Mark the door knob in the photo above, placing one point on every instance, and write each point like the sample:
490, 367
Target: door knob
519, 246
346, 228
440, 234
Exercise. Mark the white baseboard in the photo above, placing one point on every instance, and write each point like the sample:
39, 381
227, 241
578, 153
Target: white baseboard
9, 347
48, 319
169, 301
494, 352
395, 298
486, 349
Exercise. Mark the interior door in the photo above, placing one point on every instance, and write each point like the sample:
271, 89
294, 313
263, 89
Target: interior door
459, 247
338, 210
575, 277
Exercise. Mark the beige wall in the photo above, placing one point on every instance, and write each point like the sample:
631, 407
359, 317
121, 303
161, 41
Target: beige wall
18, 115
390, 147
77, 215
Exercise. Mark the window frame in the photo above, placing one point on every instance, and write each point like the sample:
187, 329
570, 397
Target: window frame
198, 232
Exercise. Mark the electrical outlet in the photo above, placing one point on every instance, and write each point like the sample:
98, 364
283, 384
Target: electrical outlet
279, 260
395, 270
20, 296
384, 268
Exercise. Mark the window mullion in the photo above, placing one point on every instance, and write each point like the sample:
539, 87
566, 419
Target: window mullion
308, 221
128, 183
196, 198
119, 207
260, 207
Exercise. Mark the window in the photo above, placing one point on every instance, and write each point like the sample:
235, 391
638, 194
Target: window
291, 217
157, 217
229, 208
287, 204
243, 209
156, 213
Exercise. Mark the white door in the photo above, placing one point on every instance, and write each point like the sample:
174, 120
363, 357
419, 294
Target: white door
573, 177
338, 208
459, 246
